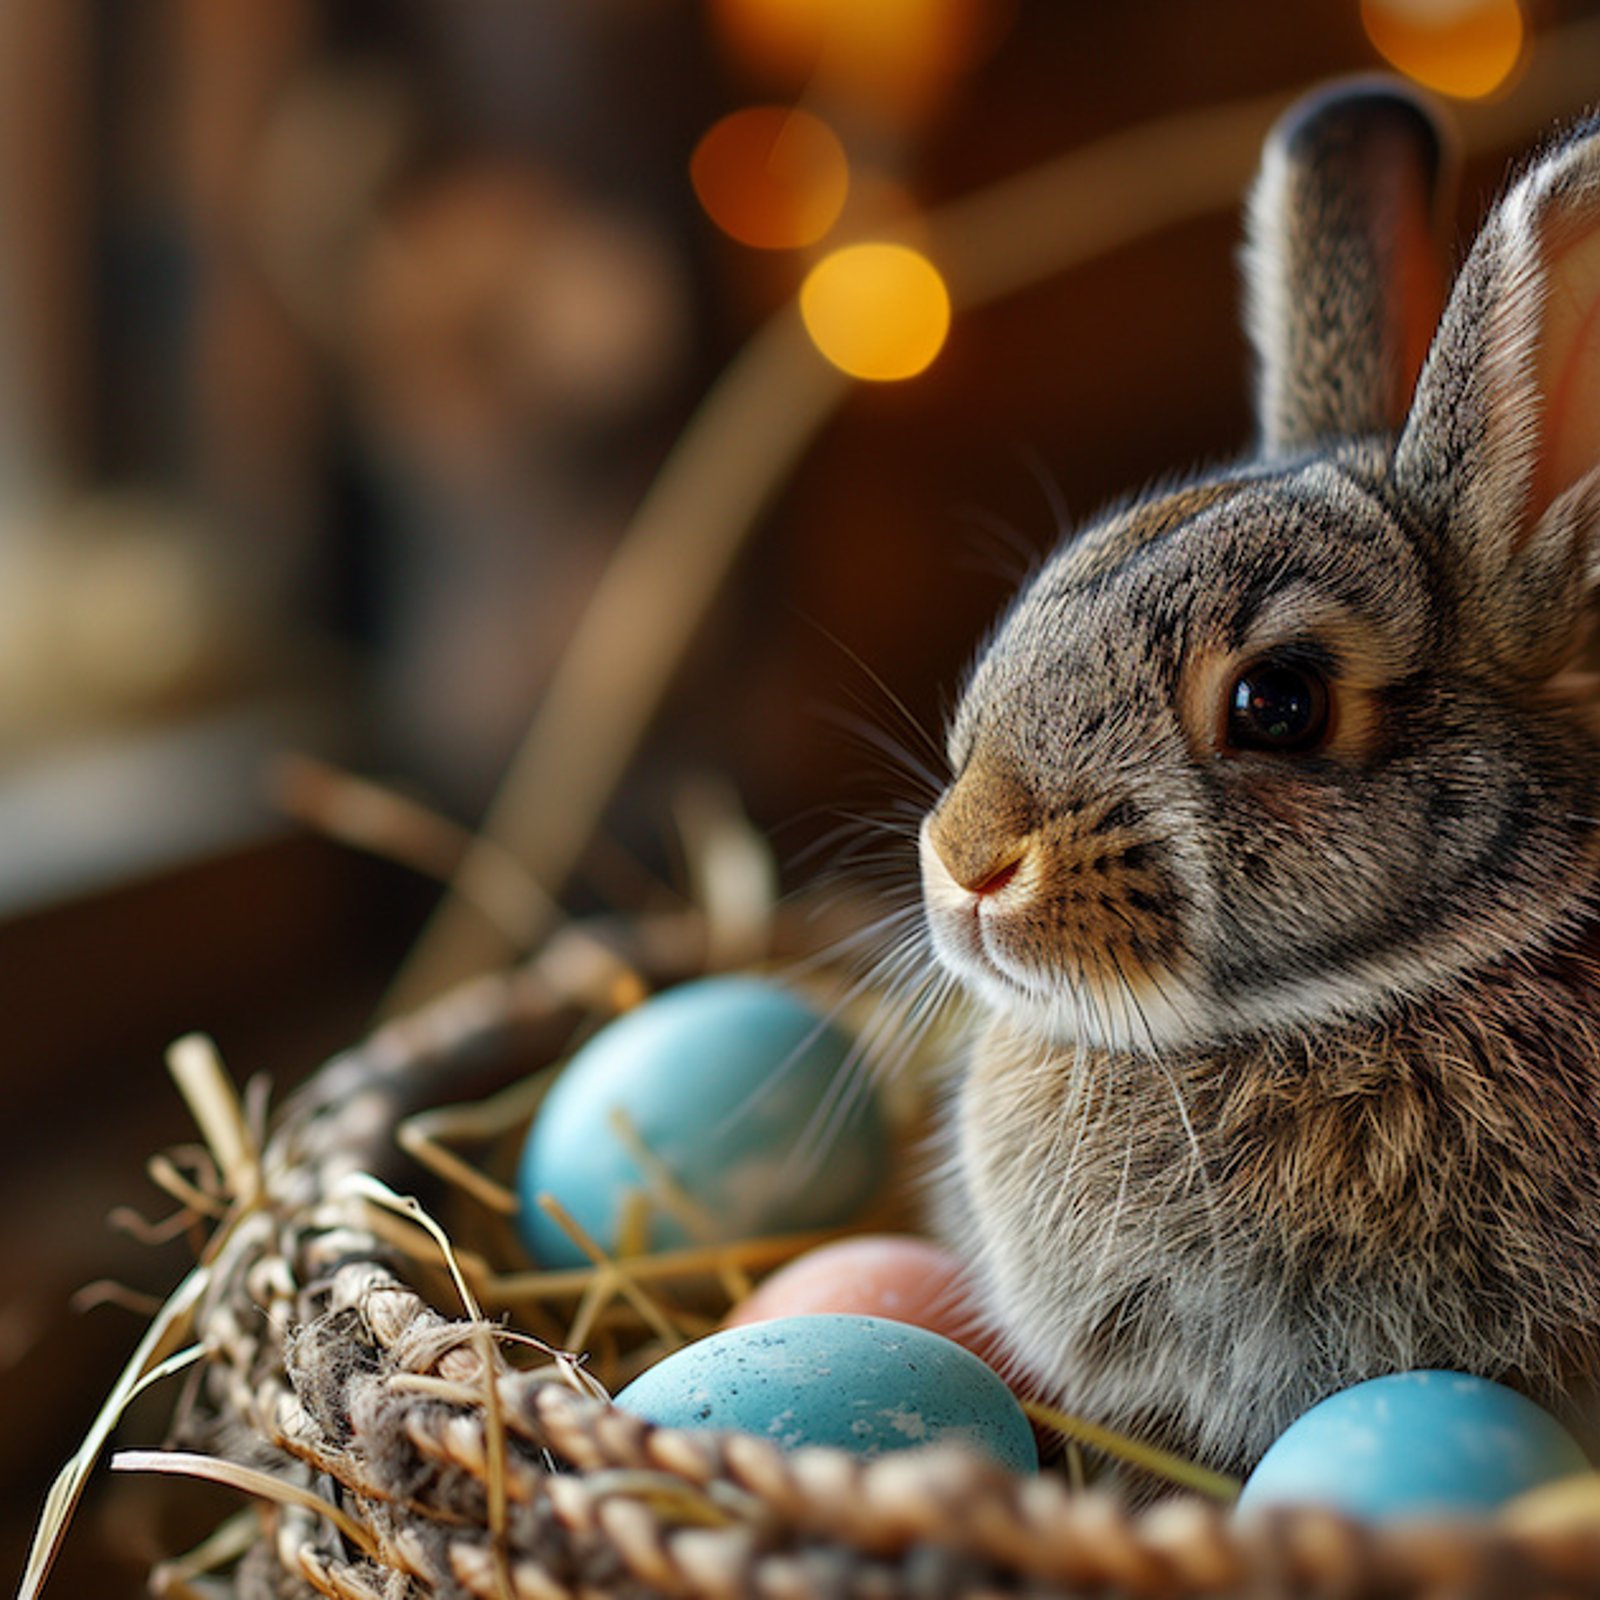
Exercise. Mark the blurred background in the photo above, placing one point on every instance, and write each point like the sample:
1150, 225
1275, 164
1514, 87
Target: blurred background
341, 342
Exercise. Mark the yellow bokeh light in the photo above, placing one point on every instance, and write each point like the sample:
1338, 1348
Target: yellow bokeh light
771, 177
1464, 48
876, 311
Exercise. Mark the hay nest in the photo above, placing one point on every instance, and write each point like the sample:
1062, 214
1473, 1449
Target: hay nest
351, 1368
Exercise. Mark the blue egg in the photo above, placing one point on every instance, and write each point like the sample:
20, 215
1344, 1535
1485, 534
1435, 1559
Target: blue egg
738, 1089
1415, 1444
857, 1383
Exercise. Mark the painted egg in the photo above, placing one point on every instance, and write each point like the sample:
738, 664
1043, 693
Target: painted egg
857, 1383
1415, 1444
876, 1275
740, 1118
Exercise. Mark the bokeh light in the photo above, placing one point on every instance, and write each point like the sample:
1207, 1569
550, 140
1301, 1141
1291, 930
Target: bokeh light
1464, 48
877, 311
892, 57
771, 176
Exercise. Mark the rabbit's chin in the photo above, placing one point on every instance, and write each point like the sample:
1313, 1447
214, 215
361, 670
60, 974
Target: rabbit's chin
1118, 1010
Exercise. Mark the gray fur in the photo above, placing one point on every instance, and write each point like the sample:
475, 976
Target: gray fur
1325, 255
1291, 1069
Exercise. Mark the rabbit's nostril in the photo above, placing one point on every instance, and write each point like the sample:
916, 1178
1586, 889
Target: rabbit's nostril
995, 881
981, 832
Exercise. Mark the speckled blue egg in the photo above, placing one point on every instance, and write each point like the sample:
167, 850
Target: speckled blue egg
735, 1085
857, 1383
1415, 1444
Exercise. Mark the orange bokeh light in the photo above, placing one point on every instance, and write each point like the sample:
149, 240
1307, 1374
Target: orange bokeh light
894, 57
771, 177
876, 311
1464, 48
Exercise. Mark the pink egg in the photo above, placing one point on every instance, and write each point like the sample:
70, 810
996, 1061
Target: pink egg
877, 1275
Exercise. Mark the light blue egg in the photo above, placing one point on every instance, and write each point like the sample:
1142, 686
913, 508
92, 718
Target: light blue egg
857, 1383
1415, 1444
734, 1084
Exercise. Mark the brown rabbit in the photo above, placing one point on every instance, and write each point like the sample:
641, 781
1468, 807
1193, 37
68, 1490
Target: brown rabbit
1273, 851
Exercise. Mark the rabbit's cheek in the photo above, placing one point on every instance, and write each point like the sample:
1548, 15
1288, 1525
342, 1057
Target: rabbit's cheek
1295, 804
1102, 895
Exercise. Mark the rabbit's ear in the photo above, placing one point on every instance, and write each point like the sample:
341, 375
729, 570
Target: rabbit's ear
1343, 265
1501, 454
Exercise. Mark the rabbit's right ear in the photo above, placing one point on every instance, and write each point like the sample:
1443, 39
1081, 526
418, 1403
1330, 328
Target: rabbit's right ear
1500, 458
1343, 268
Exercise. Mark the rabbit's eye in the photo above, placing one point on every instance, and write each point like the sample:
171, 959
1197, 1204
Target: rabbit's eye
1278, 707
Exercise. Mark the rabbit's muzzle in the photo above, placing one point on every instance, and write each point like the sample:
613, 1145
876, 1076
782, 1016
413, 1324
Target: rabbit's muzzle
1070, 910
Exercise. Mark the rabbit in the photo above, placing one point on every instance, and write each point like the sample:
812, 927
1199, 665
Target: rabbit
1271, 860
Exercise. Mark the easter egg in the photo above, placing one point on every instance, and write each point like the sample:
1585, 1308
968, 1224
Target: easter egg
736, 1090
857, 1383
875, 1275
1415, 1444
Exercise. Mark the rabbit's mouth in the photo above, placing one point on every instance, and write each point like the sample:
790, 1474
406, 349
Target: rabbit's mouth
1070, 985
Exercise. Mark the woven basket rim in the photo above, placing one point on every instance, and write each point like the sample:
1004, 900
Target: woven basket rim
428, 1463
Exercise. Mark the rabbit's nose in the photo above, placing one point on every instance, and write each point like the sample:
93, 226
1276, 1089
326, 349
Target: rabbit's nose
979, 872
995, 881
980, 831
979, 867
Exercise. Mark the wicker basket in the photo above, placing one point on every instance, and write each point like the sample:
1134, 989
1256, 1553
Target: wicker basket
397, 1447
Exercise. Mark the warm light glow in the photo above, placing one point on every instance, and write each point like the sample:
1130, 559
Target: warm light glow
878, 311
771, 177
1465, 48
894, 57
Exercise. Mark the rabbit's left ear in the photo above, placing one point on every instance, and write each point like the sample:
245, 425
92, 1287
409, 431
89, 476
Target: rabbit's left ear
1500, 456
1343, 270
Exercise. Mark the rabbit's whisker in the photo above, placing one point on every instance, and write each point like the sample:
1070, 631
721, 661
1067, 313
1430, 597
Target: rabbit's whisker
879, 741
1153, 977
908, 720
1155, 1053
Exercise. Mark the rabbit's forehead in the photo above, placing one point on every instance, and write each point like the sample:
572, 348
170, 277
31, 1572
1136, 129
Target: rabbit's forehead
1225, 567
1264, 557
